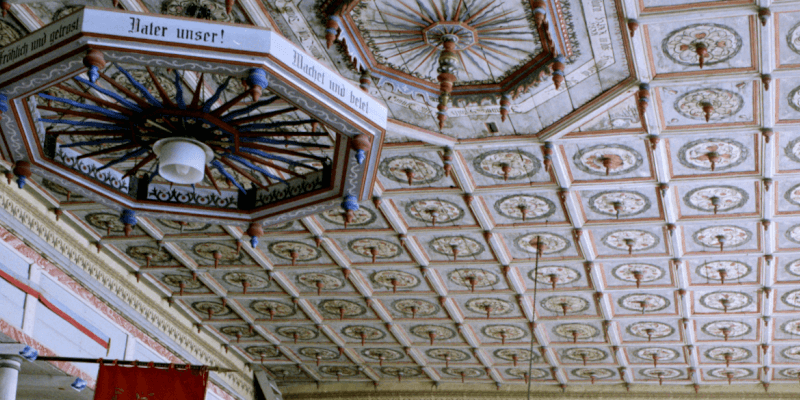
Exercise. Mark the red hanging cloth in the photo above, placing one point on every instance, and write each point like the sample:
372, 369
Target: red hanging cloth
139, 383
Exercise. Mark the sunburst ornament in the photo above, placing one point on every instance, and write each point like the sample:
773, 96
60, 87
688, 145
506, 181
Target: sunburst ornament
447, 48
215, 140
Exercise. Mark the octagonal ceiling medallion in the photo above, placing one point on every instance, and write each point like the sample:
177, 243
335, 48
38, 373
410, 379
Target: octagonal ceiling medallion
726, 329
712, 154
415, 307
556, 275
792, 353
722, 236
406, 36
791, 373
722, 270
656, 354
433, 332
456, 246
730, 373
473, 278
262, 352
716, 198
575, 331
472, 48
401, 372
434, 211
507, 164
637, 272
650, 330
661, 373
363, 333
565, 304
728, 354
643, 303
709, 104
585, 354
607, 160
504, 333
619, 203
318, 281
411, 170
246, 281
726, 300
593, 373
792, 149
448, 355
318, 354
515, 355
630, 240
793, 267
394, 280
489, 306
718, 42
381, 354
273, 152
525, 207
536, 373
791, 327
296, 333
551, 243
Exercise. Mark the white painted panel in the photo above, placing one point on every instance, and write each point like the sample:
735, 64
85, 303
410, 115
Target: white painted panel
11, 262
12, 302
143, 353
86, 315
66, 340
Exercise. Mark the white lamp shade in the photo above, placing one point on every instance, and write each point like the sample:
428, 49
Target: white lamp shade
182, 160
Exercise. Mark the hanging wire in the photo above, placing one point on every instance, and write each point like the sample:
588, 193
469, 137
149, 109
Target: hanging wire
739, 276
533, 318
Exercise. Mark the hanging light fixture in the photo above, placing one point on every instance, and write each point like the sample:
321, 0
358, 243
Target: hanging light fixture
182, 160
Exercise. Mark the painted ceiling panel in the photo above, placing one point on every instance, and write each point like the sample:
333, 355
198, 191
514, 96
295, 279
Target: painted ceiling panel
583, 169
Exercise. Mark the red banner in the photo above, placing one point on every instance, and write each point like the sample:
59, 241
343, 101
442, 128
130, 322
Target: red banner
143, 383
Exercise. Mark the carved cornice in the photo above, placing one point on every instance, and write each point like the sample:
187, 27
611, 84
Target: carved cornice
488, 392
65, 241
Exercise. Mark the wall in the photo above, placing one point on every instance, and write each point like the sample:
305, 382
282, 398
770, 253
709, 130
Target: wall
42, 306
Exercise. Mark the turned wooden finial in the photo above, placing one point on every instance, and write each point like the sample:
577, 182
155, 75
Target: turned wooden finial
332, 30
364, 79
643, 101
765, 80
448, 63
361, 144
558, 66
5, 6
255, 231
763, 15
539, 12
447, 160
95, 61
633, 25
702, 52
708, 108
505, 107
22, 170
257, 80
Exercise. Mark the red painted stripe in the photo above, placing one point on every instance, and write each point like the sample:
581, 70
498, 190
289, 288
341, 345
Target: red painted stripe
18, 284
29, 290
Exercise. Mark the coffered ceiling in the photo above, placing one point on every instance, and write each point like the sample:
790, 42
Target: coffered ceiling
665, 195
